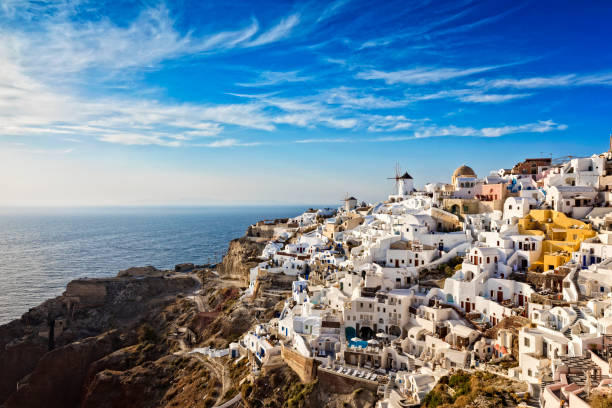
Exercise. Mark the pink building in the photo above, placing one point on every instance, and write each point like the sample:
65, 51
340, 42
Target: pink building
490, 192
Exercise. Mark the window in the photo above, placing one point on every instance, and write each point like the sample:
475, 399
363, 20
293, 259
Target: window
526, 343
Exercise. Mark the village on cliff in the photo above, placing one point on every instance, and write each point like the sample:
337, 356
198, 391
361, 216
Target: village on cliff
510, 273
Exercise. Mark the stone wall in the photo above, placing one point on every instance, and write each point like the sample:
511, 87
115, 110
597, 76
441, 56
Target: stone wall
304, 367
344, 384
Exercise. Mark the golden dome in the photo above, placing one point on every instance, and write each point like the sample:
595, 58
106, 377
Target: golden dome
463, 171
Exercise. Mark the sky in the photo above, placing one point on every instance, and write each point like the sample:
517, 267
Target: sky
266, 102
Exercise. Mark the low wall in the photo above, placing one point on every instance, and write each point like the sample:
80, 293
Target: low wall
344, 384
304, 367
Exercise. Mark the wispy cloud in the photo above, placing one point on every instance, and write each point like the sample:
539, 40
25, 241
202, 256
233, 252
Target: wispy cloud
535, 127
60, 44
269, 78
423, 130
491, 98
567, 80
323, 140
278, 32
332, 9
230, 143
353, 98
420, 76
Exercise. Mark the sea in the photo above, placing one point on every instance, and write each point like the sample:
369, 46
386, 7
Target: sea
42, 249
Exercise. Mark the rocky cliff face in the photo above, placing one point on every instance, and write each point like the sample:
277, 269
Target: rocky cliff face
58, 377
242, 255
47, 354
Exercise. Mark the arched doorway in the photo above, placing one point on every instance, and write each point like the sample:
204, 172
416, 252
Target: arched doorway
455, 209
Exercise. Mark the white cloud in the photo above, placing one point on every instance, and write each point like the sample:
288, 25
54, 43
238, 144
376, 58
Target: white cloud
546, 82
278, 32
420, 76
230, 143
537, 127
323, 140
59, 45
332, 9
491, 98
350, 98
268, 78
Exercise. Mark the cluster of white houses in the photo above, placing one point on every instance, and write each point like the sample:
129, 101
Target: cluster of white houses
510, 273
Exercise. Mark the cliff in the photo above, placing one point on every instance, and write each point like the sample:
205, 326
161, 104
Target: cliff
45, 356
242, 255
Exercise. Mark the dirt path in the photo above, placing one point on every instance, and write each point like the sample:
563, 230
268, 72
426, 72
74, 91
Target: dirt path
219, 371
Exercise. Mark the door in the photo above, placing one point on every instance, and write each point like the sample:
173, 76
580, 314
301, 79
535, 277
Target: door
521, 302
397, 263
468, 306
500, 296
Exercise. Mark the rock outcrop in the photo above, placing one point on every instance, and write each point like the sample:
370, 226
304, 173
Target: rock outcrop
242, 255
58, 377
46, 355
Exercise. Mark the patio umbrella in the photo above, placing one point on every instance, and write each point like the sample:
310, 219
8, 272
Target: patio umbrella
373, 342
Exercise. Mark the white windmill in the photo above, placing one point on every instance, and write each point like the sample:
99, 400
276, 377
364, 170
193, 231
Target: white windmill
403, 182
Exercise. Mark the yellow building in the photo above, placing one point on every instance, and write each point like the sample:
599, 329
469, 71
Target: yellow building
562, 236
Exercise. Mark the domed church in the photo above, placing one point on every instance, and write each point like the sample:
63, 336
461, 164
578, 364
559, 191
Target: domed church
463, 172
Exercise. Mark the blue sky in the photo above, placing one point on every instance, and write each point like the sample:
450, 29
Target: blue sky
196, 103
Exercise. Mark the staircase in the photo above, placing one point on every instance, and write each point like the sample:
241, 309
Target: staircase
581, 296
579, 314
411, 366
534, 401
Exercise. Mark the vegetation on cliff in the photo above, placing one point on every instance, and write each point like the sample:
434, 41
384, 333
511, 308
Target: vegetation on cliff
480, 389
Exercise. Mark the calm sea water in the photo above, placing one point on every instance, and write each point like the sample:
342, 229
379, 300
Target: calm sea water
42, 250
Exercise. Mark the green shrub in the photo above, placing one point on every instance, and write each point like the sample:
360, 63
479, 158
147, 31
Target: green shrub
146, 334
